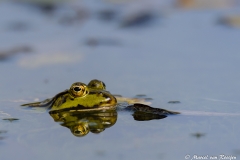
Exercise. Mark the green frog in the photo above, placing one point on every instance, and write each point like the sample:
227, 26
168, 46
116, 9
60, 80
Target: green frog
80, 97
91, 97
91, 108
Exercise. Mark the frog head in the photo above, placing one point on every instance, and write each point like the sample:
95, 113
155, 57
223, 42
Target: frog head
80, 97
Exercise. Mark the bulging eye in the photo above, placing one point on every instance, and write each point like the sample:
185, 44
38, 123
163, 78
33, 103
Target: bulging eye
77, 89
80, 130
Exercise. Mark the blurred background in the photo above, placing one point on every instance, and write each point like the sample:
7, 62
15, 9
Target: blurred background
185, 50
118, 41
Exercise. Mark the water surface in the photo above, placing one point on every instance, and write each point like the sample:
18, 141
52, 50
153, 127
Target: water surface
182, 56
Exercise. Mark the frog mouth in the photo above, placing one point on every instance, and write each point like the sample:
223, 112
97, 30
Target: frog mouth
81, 108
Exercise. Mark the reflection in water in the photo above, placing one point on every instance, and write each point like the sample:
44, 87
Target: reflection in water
81, 123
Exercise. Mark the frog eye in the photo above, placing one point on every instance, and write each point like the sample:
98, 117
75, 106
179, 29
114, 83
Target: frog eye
78, 90
97, 84
80, 130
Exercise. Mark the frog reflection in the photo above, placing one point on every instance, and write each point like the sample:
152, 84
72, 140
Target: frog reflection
81, 108
81, 123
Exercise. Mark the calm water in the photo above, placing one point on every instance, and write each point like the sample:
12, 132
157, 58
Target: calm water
178, 55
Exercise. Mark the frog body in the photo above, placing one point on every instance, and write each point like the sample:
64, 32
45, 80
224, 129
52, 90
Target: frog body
92, 97
80, 97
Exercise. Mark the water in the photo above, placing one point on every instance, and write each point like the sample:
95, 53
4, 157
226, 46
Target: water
182, 55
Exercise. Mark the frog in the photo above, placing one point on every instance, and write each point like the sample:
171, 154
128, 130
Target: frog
81, 97
92, 97
91, 108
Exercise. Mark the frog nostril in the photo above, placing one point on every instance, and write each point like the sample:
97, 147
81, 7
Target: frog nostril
77, 89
